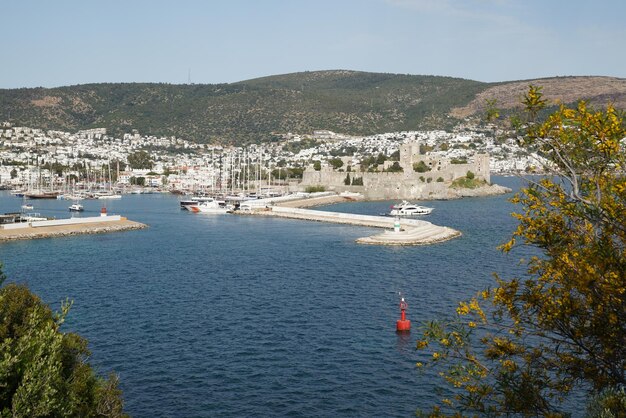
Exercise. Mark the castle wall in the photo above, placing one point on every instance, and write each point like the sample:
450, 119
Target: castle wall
403, 185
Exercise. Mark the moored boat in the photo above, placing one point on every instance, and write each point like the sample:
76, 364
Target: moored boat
76, 207
409, 209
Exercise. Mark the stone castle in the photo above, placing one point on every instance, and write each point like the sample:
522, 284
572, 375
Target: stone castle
433, 183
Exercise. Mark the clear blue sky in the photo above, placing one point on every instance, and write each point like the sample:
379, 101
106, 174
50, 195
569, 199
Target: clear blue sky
63, 42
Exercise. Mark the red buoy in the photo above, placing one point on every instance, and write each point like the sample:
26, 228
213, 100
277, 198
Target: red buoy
403, 324
103, 211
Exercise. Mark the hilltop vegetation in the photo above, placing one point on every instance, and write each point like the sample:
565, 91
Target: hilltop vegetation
349, 102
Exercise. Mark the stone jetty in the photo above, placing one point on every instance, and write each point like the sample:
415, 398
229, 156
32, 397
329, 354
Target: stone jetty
95, 226
411, 231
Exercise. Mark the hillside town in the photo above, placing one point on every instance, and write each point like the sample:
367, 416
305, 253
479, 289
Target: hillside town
30, 157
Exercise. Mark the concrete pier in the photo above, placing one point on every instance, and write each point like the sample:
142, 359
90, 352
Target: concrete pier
66, 227
412, 231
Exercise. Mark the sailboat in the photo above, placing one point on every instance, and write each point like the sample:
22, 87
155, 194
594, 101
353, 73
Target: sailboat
109, 194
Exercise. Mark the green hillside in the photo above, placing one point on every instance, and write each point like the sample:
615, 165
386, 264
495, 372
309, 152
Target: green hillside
249, 111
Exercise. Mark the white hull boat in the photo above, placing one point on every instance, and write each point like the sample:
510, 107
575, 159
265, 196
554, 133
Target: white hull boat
409, 209
210, 206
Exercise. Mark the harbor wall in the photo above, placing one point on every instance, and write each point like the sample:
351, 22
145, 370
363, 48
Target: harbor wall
62, 222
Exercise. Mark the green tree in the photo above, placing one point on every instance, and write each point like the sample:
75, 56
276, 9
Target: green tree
336, 163
420, 167
564, 326
140, 160
470, 175
395, 167
346, 181
13, 173
317, 165
43, 371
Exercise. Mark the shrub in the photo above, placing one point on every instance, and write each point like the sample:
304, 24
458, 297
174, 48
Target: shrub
357, 181
317, 165
395, 168
421, 167
347, 180
440, 180
315, 189
469, 175
422, 179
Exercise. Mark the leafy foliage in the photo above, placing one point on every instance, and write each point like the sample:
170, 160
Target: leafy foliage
563, 327
44, 372
421, 167
315, 189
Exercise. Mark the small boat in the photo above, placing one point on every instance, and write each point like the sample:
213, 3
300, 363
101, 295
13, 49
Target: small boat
27, 206
76, 207
211, 206
409, 209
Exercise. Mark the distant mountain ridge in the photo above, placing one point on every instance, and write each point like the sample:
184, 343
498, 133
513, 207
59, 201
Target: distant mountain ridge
350, 102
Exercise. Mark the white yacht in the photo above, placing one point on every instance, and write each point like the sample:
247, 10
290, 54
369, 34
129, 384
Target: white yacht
210, 206
409, 209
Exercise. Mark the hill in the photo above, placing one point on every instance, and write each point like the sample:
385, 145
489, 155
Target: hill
249, 111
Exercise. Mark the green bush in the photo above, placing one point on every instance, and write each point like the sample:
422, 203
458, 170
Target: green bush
469, 175
44, 370
440, 180
458, 161
420, 167
317, 165
395, 168
347, 180
315, 189
422, 179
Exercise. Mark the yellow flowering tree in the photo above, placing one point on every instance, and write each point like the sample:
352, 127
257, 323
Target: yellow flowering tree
564, 325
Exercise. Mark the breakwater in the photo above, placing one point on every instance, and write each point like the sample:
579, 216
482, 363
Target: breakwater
67, 227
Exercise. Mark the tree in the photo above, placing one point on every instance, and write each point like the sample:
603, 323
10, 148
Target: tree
43, 371
13, 173
317, 165
336, 163
346, 181
420, 167
395, 167
564, 326
139, 160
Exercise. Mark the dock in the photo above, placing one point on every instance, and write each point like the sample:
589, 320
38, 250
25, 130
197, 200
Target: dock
411, 231
66, 227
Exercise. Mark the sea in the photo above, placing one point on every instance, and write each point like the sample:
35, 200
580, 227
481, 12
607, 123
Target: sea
236, 316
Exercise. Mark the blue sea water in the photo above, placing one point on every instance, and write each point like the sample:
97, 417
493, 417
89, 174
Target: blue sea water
220, 315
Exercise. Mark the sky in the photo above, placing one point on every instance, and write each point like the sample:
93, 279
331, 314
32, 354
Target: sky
66, 42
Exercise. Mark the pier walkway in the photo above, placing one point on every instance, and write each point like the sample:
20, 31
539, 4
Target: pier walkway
67, 227
412, 231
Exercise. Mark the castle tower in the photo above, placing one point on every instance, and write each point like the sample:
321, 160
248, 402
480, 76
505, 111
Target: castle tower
409, 154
